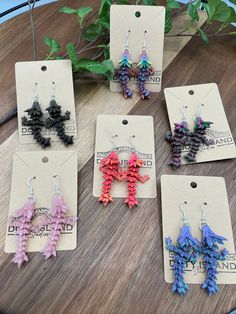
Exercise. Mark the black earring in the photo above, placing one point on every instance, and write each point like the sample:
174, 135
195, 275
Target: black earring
36, 122
56, 119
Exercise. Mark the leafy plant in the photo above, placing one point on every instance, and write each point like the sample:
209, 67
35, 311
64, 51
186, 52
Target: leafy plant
95, 26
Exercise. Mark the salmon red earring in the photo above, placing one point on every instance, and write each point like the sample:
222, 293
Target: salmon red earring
132, 176
110, 167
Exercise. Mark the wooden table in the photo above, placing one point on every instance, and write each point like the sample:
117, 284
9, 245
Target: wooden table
117, 266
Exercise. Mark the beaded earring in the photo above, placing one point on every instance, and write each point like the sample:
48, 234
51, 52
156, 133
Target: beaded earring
132, 176
56, 119
145, 70
211, 253
57, 220
178, 140
124, 70
23, 222
110, 167
36, 122
198, 136
186, 250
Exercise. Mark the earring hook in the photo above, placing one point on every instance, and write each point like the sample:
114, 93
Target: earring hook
199, 111
203, 218
30, 188
36, 95
113, 141
184, 113
53, 90
131, 142
144, 40
185, 217
127, 39
57, 184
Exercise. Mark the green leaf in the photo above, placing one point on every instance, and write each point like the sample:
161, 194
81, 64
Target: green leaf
106, 51
168, 23
232, 17
149, 2
82, 12
233, 33
92, 32
122, 2
233, 1
104, 10
53, 45
206, 7
218, 11
72, 53
193, 12
106, 67
172, 4
110, 69
67, 10
203, 35
104, 22
91, 66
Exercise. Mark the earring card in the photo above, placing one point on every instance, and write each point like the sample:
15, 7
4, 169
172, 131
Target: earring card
206, 98
196, 190
43, 166
125, 126
138, 19
44, 73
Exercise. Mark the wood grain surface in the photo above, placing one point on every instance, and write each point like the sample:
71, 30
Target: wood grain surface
117, 266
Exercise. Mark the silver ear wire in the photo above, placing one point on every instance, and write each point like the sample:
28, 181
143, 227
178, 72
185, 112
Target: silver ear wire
185, 217
184, 113
203, 218
36, 95
131, 142
199, 111
53, 90
30, 188
113, 141
57, 185
144, 40
127, 39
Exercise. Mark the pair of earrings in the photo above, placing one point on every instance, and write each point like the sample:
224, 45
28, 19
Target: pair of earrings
24, 216
56, 120
140, 71
111, 169
182, 136
189, 248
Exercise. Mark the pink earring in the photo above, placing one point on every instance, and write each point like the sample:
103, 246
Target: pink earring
57, 220
132, 176
23, 222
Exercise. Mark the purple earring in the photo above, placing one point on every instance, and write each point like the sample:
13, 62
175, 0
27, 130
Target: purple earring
124, 70
178, 140
198, 136
145, 70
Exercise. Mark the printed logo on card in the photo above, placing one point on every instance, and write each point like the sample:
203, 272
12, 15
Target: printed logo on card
146, 157
40, 229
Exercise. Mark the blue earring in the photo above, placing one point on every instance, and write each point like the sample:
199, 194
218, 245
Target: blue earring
211, 254
186, 250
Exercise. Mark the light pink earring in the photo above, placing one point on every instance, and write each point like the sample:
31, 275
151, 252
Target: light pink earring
23, 222
57, 220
